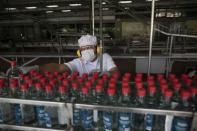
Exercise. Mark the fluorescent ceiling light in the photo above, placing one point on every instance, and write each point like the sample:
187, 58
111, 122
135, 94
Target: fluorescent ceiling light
49, 11
74, 4
10, 8
125, 1
66, 10
52, 6
105, 8
104, 3
30, 7
151, 0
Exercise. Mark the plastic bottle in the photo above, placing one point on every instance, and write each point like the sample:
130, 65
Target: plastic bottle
140, 102
151, 102
182, 123
62, 93
110, 117
86, 115
125, 119
97, 115
3, 88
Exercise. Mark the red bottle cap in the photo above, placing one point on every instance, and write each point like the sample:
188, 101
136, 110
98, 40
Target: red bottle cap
96, 75
2, 80
30, 82
139, 85
52, 82
177, 86
21, 75
48, 88
105, 77
127, 75
112, 80
188, 82
56, 73
140, 75
175, 80
1, 85
88, 84
125, 79
171, 76
46, 73
14, 80
141, 92
138, 79
43, 80
160, 76
74, 85
13, 85
85, 90
185, 94
76, 73
13, 63
162, 81
168, 93
100, 82
111, 91
184, 76
152, 89
32, 72
24, 87
112, 85
194, 90
38, 85
126, 90
99, 88
151, 82
65, 82
85, 76
125, 84
65, 75
62, 89
150, 78
60, 78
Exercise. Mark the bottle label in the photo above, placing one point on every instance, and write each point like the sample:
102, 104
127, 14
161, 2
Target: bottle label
107, 120
48, 120
18, 113
1, 114
149, 122
87, 119
124, 121
40, 115
28, 112
76, 117
180, 124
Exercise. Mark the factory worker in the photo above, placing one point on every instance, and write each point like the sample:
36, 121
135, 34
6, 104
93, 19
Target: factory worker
88, 60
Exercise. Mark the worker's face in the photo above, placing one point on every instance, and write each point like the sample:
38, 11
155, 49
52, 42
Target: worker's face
88, 53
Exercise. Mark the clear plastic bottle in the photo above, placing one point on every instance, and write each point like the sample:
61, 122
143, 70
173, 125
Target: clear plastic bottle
140, 102
151, 103
183, 123
86, 115
98, 100
110, 117
48, 92
62, 93
125, 122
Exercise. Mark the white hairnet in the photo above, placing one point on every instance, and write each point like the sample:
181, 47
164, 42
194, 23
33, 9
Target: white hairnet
86, 40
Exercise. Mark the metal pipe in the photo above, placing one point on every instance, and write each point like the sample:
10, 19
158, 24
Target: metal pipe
101, 33
32, 60
4, 59
151, 36
93, 17
170, 55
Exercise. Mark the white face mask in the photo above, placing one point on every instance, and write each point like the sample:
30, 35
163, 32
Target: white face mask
88, 55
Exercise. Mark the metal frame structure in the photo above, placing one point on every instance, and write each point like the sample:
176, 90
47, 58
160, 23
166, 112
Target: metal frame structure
69, 107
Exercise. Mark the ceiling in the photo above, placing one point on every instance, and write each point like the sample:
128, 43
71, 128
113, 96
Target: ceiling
139, 8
